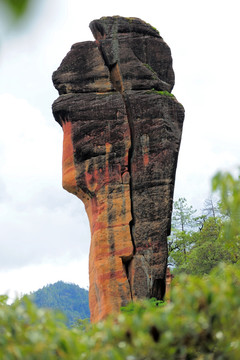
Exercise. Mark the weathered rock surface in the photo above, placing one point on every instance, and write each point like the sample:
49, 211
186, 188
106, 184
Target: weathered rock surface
122, 131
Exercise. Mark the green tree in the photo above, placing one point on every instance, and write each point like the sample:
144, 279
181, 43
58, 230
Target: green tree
197, 246
228, 188
208, 250
180, 241
211, 208
182, 218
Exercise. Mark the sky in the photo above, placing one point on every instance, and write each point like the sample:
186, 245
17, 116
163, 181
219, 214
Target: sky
44, 231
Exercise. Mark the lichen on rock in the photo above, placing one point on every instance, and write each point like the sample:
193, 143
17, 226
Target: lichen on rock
120, 150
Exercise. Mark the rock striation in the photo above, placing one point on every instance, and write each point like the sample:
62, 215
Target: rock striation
122, 131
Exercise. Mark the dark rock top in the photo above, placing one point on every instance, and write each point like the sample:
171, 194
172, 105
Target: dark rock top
115, 26
129, 44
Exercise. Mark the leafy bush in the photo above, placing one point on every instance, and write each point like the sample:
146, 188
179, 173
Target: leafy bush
201, 322
142, 306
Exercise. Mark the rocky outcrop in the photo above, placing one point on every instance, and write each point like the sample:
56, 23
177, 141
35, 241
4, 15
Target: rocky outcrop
122, 131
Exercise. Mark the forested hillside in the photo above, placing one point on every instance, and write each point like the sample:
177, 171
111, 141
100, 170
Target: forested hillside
70, 299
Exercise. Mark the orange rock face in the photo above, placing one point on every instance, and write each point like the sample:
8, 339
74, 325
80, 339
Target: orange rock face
122, 132
104, 187
68, 166
109, 213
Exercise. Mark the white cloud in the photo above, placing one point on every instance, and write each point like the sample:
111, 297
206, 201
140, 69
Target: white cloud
39, 221
30, 145
30, 278
37, 234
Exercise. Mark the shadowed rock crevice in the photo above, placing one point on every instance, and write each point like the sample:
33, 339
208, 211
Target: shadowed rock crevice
126, 266
122, 132
159, 288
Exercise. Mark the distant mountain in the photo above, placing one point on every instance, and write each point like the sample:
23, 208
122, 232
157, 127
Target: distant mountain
70, 299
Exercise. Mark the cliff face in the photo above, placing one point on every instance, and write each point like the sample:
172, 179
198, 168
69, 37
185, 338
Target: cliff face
122, 131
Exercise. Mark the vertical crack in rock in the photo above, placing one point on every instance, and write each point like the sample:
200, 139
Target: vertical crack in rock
131, 223
117, 83
130, 154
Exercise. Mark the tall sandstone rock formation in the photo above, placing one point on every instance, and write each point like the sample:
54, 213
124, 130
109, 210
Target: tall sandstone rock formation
122, 131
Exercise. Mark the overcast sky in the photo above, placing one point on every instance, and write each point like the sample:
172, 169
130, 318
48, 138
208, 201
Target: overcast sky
44, 233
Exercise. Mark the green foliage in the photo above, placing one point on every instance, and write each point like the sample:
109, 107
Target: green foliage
30, 333
82, 324
3, 299
229, 189
16, 7
164, 92
130, 19
181, 240
150, 68
70, 299
198, 251
197, 244
155, 29
182, 218
179, 245
142, 306
201, 322
208, 250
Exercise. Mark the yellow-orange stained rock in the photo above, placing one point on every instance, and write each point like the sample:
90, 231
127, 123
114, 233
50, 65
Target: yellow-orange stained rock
111, 242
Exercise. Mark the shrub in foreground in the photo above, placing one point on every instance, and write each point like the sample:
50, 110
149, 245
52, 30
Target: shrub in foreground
201, 322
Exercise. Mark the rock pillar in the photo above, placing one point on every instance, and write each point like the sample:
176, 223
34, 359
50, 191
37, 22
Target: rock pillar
122, 131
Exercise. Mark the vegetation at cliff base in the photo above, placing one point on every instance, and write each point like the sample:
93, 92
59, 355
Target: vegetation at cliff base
201, 321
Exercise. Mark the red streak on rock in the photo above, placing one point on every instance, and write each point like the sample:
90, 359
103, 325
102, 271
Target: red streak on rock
68, 166
145, 159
